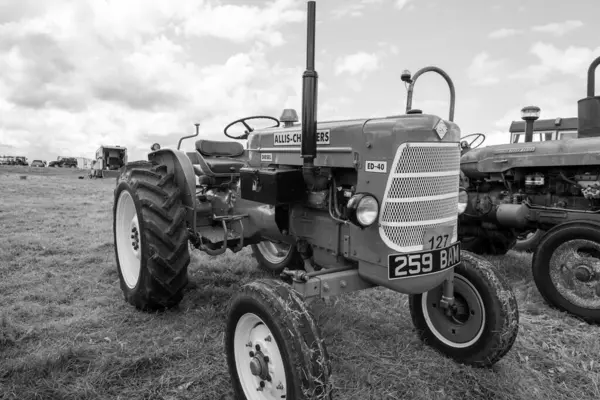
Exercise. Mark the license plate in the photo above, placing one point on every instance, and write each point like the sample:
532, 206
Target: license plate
424, 262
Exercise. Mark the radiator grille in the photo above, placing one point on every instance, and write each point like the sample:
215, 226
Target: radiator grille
421, 193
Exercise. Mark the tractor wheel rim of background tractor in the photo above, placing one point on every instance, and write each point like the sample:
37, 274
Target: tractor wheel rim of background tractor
466, 325
258, 360
274, 253
128, 239
575, 272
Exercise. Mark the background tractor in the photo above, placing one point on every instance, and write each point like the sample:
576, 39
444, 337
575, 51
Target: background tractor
329, 208
550, 188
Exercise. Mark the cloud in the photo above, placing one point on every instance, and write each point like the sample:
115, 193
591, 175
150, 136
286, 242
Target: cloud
504, 33
388, 48
555, 99
400, 4
80, 74
570, 61
483, 71
357, 63
240, 23
558, 28
356, 9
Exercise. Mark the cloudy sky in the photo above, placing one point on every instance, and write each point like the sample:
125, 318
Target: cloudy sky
75, 74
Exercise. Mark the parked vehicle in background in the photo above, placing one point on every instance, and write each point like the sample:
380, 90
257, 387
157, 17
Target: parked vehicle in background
20, 160
38, 163
67, 162
54, 164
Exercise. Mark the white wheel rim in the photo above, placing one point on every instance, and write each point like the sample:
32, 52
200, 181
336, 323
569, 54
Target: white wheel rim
438, 334
251, 331
274, 253
126, 226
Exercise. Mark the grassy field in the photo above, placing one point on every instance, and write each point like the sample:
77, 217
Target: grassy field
66, 332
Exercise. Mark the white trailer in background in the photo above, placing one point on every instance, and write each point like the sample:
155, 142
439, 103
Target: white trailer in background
108, 161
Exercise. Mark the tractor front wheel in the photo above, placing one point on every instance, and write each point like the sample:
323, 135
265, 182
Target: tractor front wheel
273, 345
151, 238
484, 319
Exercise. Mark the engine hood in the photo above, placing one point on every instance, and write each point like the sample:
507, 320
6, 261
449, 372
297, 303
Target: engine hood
495, 159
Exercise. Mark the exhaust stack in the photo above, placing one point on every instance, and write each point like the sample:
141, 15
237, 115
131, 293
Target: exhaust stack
588, 108
309, 108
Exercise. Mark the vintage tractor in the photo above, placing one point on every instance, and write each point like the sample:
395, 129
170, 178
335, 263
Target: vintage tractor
550, 186
330, 208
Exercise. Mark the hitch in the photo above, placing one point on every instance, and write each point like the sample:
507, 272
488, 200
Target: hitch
198, 241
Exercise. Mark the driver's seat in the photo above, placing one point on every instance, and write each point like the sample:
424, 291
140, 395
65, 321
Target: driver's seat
219, 158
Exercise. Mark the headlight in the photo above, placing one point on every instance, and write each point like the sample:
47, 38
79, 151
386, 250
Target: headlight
363, 209
463, 200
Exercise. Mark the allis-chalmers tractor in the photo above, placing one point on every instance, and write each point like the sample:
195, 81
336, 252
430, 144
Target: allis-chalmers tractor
551, 186
331, 208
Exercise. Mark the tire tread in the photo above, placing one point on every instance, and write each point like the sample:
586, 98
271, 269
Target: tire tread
165, 233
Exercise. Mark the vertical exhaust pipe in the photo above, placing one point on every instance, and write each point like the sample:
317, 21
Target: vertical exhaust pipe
591, 78
309, 108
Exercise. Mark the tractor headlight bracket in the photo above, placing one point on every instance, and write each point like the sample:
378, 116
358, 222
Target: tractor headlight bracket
363, 209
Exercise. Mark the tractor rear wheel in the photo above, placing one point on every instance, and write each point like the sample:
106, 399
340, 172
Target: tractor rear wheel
273, 345
274, 257
484, 321
566, 269
150, 235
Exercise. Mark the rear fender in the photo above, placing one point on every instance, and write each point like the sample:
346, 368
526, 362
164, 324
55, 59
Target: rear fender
590, 224
179, 164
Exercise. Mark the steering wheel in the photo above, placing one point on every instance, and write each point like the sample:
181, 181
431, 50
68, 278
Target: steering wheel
470, 144
248, 128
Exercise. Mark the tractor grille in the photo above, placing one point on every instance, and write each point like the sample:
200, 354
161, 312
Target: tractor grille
421, 193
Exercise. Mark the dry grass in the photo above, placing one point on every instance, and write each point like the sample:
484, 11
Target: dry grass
66, 333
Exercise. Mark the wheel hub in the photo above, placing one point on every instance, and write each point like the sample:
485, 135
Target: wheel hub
460, 310
128, 239
255, 366
259, 367
464, 324
258, 360
583, 273
575, 272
